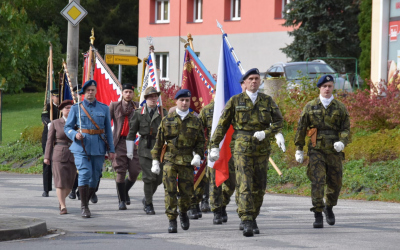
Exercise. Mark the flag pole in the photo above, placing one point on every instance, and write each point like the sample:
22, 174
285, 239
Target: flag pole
90, 58
51, 79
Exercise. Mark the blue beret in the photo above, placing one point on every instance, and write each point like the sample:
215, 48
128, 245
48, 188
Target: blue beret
324, 79
183, 93
87, 84
253, 71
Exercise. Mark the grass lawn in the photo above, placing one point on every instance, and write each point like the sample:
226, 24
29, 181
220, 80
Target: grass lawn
20, 111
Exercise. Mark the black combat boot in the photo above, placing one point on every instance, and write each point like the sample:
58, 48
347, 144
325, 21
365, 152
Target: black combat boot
330, 216
173, 226
78, 195
224, 214
193, 213
72, 194
92, 195
248, 228
199, 213
121, 194
185, 223
205, 206
84, 192
241, 225
150, 209
255, 228
217, 217
128, 186
319, 220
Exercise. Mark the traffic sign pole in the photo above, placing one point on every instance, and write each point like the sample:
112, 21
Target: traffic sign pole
120, 73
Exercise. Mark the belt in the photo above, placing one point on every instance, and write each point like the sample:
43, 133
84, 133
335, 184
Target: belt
122, 137
328, 132
244, 132
63, 143
93, 131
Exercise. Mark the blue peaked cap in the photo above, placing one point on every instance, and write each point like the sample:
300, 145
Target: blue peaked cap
183, 93
253, 71
87, 84
324, 79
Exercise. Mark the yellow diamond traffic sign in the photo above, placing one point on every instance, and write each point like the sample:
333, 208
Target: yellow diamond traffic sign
74, 13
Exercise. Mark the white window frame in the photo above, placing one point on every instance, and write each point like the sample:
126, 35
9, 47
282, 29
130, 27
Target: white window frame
162, 20
235, 16
284, 3
198, 9
161, 54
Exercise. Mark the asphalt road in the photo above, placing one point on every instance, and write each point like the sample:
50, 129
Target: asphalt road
285, 223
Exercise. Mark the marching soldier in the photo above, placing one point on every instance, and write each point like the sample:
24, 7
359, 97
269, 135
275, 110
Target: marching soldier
183, 133
255, 118
327, 122
121, 112
91, 143
47, 173
146, 121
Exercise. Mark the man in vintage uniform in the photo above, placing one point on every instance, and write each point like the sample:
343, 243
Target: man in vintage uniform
184, 135
146, 121
255, 117
121, 112
47, 173
91, 142
327, 122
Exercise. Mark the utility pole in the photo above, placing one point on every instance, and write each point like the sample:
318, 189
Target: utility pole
73, 50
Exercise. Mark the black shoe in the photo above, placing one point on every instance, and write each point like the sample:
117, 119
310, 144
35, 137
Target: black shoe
94, 198
241, 225
192, 213
150, 209
122, 205
319, 220
128, 186
72, 194
199, 213
330, 216
144, 203
205, 207
248, 228
45, 194
217, 218
173, 227
255, 228
78, 195
121, 196
185, 223
224, 214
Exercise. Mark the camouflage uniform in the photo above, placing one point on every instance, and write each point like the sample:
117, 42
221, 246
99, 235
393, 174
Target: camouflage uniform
183, 137
250, 155
219, 196
325, 166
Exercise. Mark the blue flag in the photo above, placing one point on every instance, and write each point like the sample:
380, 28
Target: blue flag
67, 95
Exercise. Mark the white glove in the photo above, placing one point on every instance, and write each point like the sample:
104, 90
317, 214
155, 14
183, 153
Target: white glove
339, 146
299, 156
280, 141
196, 160
260, 135
48, 125
129, 149
155, 168
214, 154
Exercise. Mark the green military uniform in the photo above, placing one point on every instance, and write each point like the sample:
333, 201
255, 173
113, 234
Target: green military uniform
325, 166
219, 196
183, 137
250, 154
147, 126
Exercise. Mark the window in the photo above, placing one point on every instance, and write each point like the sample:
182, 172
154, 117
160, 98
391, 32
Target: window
162, 64
198, 11
284, 3
162, 11
235, 9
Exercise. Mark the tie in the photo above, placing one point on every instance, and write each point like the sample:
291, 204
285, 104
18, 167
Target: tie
151, 113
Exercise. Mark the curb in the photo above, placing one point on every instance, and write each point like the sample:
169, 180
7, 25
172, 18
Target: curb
12, 228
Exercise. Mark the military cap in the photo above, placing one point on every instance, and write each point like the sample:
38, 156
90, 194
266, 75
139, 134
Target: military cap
65, 103
76, 88
324, 79
87, 84
149, 91
183, 93
253, 71
54, 92
128, 86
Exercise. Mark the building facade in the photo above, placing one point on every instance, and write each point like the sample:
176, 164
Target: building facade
254, 29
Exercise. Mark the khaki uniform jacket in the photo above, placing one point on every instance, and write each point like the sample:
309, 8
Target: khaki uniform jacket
58, 153
142, 123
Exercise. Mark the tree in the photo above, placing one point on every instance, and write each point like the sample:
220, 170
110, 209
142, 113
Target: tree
325, 28
364, 21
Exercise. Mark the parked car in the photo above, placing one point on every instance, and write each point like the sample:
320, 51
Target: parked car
295, 71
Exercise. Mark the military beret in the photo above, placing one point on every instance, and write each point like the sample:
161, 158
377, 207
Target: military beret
87, 84
65, 103
54, 92
128, 86
324, 79
76, 88
253, 71
183, 93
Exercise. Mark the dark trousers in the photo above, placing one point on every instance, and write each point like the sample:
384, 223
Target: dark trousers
47, 175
